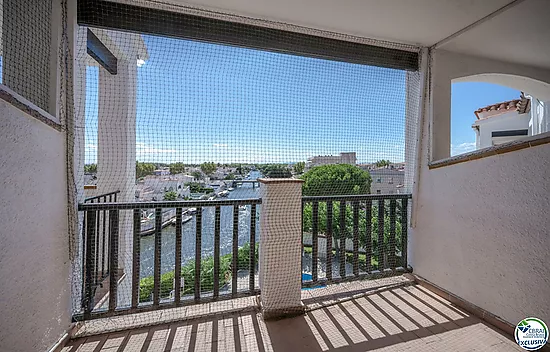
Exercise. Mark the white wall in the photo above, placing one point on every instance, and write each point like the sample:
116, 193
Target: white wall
505, 122
482, 226
34, 269
540, 116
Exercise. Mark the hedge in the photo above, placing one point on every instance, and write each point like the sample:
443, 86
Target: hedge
188, 274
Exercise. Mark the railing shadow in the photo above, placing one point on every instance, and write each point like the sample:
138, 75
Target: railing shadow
399, 318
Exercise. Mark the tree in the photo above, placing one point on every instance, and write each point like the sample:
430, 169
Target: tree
171, 195
177, 168
208, 168
276, 171
144, 169
299, 167
382, 163
90, 168
231, 176
196, 187
341, 179
197, 175
363, 238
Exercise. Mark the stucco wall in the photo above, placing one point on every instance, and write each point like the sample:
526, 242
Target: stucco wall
34, 262
483, 230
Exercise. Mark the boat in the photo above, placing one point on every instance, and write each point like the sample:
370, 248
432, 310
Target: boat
212, 198
242, 207
230, 189
147, 217
223, 193
186, 219
191, 211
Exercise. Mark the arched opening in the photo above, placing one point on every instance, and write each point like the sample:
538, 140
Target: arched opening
492, 109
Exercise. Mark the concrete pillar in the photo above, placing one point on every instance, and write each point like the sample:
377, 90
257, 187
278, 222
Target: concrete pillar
116, 154
280, 257
116, 131
79, 89
412, 100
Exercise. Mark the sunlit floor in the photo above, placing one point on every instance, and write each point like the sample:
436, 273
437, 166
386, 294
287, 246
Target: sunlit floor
407, 318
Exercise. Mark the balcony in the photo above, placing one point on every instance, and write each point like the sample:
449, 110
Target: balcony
450, 254
352, 292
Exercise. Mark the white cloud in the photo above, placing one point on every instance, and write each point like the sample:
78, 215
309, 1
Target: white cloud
462, 148
144, 149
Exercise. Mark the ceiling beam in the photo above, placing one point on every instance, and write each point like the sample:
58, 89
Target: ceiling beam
141, 20
100, 53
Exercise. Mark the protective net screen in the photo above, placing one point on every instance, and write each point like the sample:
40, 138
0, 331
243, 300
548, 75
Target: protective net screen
177, 133
25, 60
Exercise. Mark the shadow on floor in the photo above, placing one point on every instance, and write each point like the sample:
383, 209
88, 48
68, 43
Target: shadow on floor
400, 319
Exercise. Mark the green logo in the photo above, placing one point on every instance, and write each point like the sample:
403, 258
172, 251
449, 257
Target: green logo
531, 334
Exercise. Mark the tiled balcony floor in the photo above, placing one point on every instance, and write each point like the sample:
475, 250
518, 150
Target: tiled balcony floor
403, 318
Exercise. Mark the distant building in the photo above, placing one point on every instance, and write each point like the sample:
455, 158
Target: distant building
162, 172
343, 158
222, 172
90, 179
153, 188
392, 166
387, 180
510, 121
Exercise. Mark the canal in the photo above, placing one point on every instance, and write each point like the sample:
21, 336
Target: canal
168, 246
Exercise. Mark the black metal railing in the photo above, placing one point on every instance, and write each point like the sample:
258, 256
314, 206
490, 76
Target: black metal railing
166, 289
353, 237
103, 198
100, 242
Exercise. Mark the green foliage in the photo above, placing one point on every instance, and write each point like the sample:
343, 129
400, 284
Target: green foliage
90, 168
239, 169
196, 187
208, 168
299, 167
171, 195
363, 238
177, 168
342, 179
382, 163
146, 284
243, 255
144, 169
275, 171
231, 176
197, 175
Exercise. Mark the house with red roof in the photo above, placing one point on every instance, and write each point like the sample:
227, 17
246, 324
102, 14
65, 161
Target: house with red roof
510, 121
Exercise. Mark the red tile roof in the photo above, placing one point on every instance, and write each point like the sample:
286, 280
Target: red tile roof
520, 105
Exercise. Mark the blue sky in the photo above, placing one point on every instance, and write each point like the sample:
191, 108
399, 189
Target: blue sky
201, 102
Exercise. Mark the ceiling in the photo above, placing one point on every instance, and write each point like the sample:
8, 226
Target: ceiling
418, 22
519, 34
